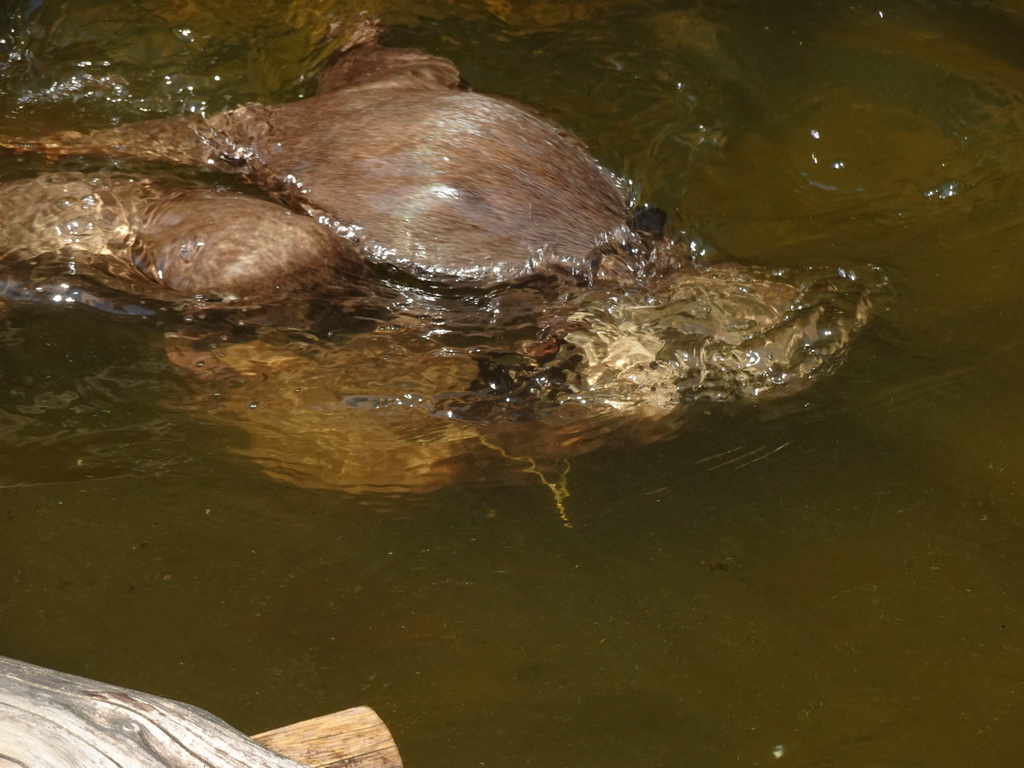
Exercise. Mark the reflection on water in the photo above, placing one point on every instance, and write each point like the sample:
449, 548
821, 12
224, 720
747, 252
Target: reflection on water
835, 573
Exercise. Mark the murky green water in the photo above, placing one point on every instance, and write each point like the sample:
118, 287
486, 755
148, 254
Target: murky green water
838, 574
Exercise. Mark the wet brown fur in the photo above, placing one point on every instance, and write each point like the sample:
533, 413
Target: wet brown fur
394, 159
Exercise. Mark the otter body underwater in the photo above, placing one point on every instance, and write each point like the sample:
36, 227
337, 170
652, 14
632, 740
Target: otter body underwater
395, 169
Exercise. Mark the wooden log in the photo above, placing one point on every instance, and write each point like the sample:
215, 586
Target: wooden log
50, 719
335, 741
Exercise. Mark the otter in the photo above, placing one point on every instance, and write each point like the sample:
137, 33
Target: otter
396, 176
394, 162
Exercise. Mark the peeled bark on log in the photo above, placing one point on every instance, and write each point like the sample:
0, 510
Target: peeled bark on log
353, 738
50, 719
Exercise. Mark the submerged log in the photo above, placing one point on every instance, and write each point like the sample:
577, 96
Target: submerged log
50, 719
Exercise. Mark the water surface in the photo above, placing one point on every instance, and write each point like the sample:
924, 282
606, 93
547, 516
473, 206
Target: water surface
834, 577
